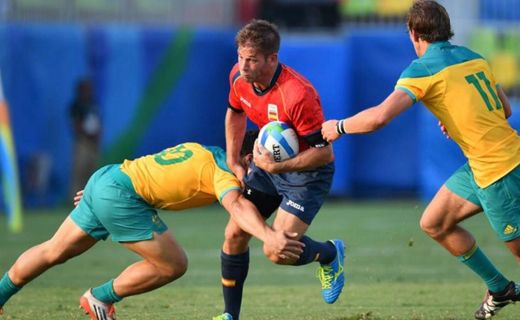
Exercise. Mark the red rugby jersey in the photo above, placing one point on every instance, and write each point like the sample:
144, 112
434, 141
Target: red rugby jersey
289, 98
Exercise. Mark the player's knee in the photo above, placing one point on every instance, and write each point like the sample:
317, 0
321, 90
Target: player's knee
431, 227
175, 270
234, 236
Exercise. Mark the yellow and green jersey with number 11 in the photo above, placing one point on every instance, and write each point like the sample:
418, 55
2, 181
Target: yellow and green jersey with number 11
457, 86
185, 176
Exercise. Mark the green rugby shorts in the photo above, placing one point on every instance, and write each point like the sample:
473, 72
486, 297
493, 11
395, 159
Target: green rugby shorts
110, 205
500, 200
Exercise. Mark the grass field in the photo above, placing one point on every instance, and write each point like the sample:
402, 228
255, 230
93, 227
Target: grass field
393, 271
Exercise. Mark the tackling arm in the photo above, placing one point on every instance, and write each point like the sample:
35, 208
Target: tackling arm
249, 219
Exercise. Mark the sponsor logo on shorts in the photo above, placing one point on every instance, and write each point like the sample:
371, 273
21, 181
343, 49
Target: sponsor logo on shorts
295, 205
509, 229
156, 220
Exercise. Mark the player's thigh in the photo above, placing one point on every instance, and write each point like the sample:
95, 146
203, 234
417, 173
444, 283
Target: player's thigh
455, 201
162, 250
447, 209
303, 193
288, 221
70, 240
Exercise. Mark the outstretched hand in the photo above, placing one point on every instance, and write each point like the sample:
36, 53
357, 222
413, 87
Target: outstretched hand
284, 245
77, 197
329, 130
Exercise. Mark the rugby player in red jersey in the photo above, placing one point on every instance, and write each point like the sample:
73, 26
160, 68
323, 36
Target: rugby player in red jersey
262, 90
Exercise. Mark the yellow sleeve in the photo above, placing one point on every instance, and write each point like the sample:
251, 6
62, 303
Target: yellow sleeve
415, 80
416, 88
224, 182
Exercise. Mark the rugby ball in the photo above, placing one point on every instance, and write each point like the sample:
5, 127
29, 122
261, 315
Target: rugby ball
279, 139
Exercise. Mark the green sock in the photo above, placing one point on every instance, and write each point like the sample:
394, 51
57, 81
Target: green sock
477, 261
7, 289
105, 293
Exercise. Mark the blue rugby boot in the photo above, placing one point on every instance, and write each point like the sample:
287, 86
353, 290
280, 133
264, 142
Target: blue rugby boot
331, 275
224, 316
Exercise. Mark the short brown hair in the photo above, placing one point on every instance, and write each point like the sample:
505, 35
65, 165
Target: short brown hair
261, 35
430, 21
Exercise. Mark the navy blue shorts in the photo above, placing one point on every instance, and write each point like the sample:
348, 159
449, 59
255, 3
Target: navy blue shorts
303, 193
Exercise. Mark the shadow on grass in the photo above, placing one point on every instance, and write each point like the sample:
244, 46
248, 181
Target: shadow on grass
361, 316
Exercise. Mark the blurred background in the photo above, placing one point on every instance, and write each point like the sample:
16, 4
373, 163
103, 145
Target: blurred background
157, 74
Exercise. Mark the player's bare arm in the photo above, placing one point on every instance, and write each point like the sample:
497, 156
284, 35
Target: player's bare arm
245, 214
309, 159
370, 119
235, 130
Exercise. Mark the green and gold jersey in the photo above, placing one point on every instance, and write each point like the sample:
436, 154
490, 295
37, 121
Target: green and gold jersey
457, 86
185, 176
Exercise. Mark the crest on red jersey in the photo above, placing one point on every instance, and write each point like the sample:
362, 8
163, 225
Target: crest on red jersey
272, 112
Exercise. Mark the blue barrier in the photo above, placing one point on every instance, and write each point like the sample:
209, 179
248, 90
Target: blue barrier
158, 87
384, 163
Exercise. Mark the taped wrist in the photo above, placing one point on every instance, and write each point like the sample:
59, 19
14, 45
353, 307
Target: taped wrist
339, 127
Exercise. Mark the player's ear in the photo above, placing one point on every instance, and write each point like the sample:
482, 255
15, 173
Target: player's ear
413, 36
273, 58
247, 160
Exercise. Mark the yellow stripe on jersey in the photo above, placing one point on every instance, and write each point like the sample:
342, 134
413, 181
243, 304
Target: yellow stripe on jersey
458, 87
185, 176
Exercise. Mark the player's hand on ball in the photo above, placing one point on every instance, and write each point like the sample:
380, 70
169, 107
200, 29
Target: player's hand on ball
77, 197
263, 158
329, 130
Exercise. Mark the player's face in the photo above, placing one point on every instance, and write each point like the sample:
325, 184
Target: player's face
254, 66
